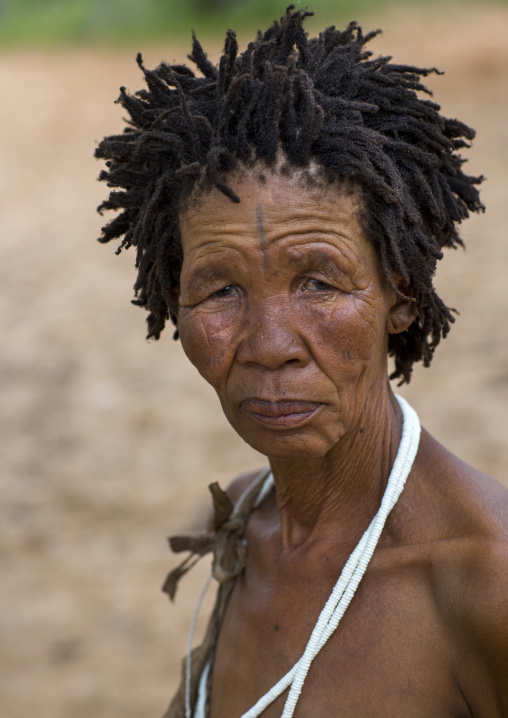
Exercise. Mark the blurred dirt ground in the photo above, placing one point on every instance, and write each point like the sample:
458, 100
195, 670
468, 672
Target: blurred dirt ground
107, 441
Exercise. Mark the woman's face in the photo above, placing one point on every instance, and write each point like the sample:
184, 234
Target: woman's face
285, 312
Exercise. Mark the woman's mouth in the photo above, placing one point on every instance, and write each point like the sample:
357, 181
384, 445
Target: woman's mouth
283, 413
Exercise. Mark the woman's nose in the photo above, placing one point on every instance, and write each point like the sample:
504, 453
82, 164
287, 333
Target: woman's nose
272, 341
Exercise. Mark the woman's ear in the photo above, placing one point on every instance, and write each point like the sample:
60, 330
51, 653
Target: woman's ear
401, 315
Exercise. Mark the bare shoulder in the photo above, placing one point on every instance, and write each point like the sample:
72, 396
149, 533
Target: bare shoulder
472, 566
241, 483
466, 503
472, 516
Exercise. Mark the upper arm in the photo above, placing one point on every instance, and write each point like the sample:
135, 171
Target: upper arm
475, 581
490, 619
482, 611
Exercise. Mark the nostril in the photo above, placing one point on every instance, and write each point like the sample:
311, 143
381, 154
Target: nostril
273, 352
271, 340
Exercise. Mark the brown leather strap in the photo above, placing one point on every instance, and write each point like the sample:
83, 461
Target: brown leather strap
200, 655
230, 555
226, 542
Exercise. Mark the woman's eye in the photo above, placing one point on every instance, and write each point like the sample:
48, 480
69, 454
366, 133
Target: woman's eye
230, 290
316, 285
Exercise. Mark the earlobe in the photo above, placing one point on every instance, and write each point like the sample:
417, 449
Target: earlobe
401, 315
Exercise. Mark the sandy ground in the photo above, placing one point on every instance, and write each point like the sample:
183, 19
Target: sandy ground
107, 441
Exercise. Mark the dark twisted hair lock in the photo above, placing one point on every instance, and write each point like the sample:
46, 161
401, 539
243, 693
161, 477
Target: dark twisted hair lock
323, 101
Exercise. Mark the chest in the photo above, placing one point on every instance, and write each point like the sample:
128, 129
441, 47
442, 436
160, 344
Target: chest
390, 656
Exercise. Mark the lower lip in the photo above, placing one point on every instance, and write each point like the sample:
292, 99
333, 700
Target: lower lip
283, 420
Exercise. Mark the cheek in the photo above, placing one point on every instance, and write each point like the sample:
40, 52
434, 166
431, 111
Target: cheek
208, 341
351, 334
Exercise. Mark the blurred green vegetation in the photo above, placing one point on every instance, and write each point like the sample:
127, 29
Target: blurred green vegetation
116, 22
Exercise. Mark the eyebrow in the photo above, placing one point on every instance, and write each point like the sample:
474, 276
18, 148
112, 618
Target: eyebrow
318, 260
207, 275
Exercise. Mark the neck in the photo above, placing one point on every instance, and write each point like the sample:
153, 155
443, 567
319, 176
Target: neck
336, 496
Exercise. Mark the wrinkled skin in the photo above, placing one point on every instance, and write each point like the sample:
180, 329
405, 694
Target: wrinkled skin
285, 312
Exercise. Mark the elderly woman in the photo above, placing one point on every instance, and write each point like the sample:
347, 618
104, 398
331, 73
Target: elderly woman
288, 209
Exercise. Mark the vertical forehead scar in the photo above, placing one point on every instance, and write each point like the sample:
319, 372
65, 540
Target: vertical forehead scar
260, 227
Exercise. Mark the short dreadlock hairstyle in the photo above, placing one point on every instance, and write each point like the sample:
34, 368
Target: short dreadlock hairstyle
322, 101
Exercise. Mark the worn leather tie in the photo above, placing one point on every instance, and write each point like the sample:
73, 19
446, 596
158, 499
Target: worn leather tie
229, 559
226, 541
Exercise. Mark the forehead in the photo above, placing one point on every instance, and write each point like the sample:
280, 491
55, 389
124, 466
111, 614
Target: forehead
271, 206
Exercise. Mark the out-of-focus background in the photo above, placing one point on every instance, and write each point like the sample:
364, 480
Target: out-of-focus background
108, 442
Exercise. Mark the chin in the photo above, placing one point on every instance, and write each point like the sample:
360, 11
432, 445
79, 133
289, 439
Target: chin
290, 445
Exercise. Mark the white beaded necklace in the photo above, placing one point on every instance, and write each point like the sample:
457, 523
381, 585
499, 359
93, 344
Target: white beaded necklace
351, 575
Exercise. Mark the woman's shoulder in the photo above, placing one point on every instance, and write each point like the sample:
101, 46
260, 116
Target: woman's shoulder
241, 483
472, 502
466, 512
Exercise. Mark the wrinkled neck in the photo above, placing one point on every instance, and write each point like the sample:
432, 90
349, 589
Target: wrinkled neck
336, 496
